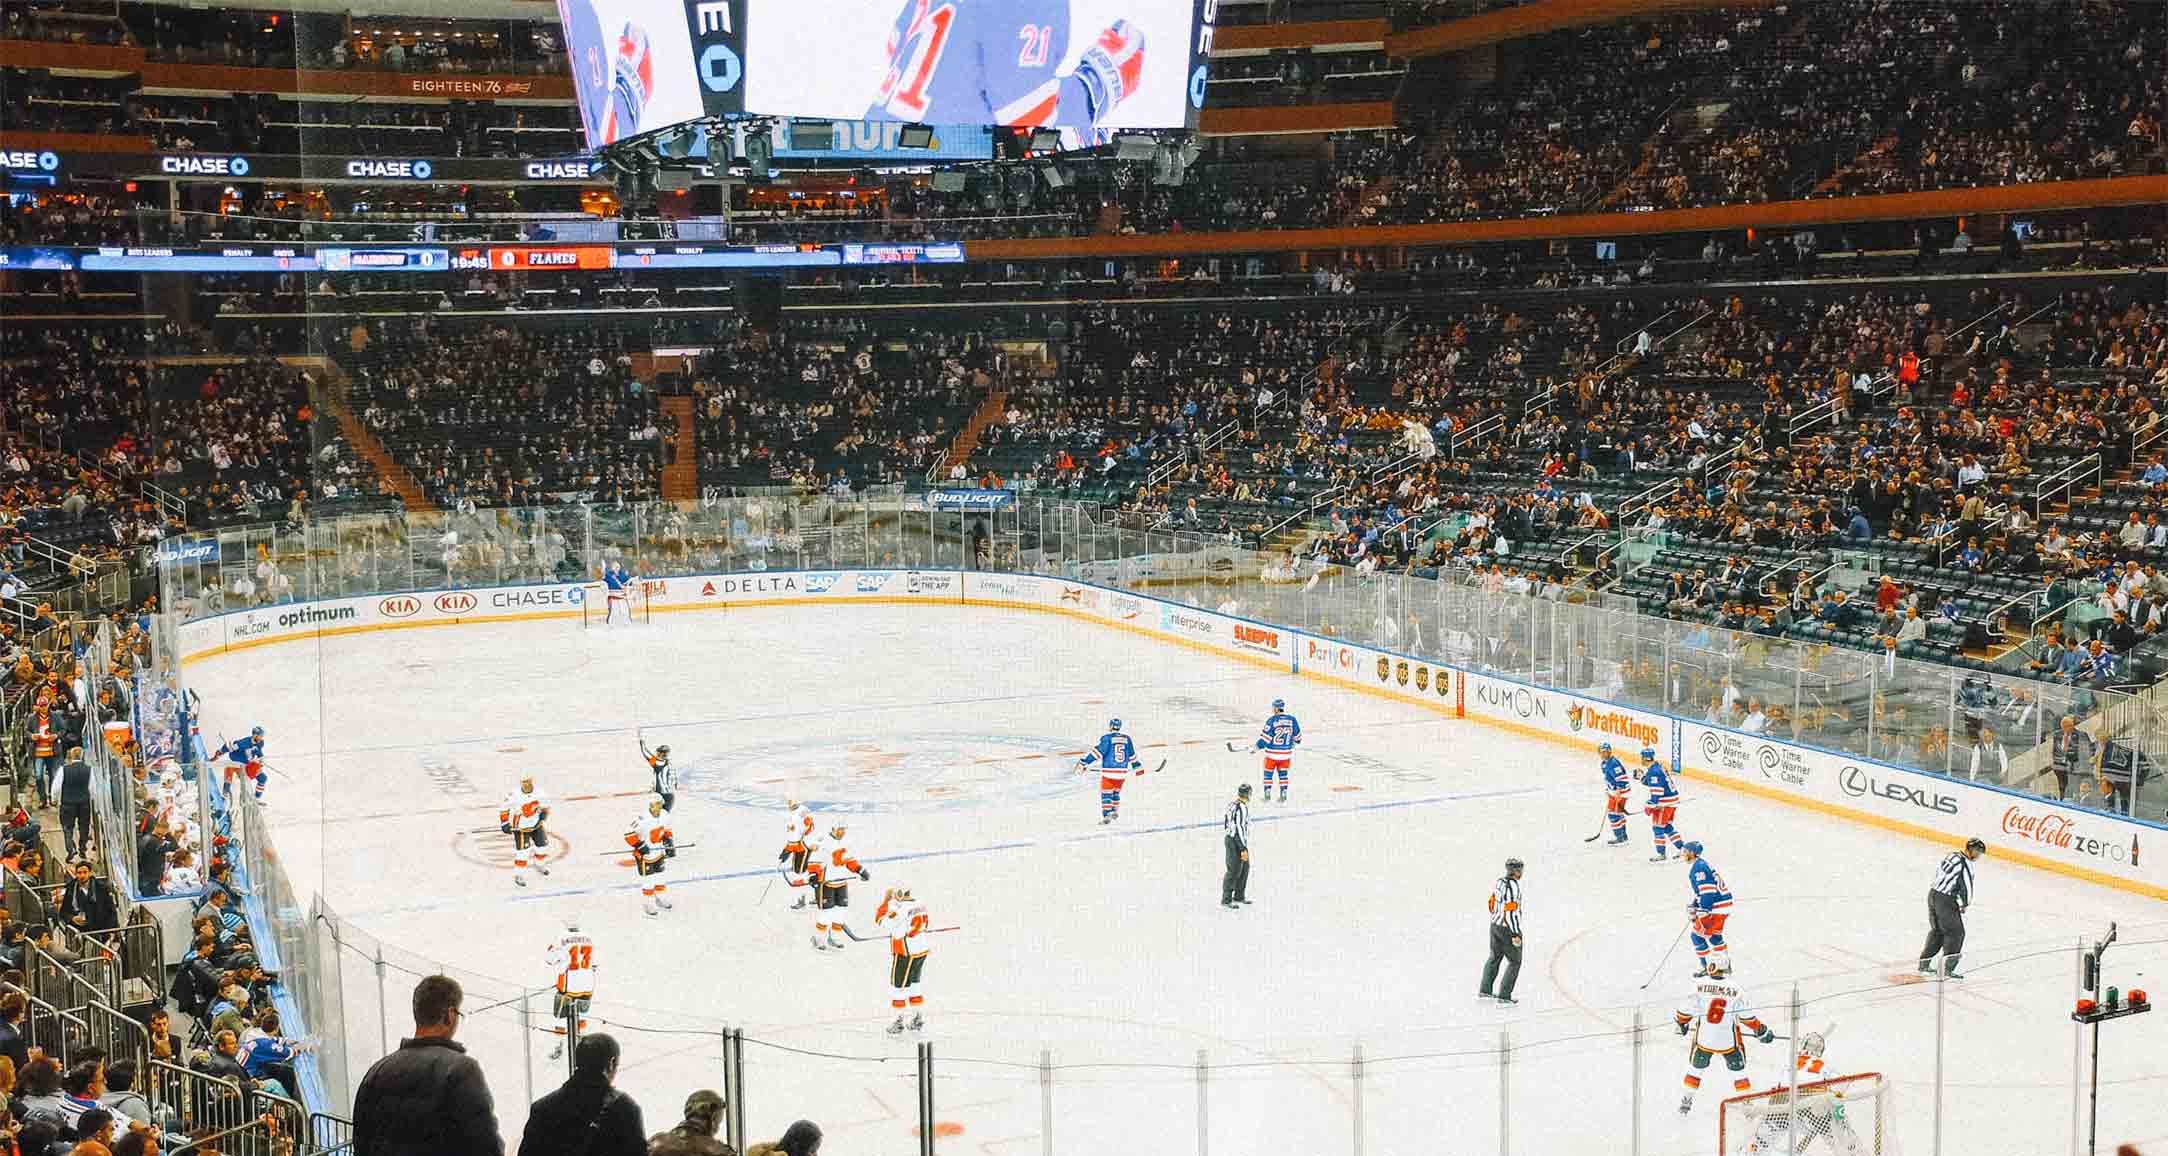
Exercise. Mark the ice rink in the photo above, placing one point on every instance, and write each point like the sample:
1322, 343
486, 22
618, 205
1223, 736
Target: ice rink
947, 734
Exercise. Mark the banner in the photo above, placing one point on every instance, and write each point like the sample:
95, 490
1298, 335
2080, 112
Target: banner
971, 499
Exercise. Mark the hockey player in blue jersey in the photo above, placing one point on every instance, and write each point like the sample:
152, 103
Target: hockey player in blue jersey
1663, 805
617, 587
245, 757
1616, 784
1710, 908
1278, 741
1116, 758
995, 61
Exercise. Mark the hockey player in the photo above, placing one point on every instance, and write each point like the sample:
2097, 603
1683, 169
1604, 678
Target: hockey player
573, 959
1715, 1019
1662, 805
1116, 757
1278, 741
652, 845
904, 920
521, 816
1707, 913
658, 761
616, 592
832, 894
245, 756
1616, 784
799, 841
995, 62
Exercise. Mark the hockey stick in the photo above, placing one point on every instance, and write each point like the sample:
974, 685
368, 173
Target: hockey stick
1606, 822
1666, 959
1232, 749
681, 847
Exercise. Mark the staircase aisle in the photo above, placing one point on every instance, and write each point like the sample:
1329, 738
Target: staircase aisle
331, 393
967, 439
681, 479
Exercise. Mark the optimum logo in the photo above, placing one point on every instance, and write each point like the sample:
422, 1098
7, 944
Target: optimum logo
1859, 784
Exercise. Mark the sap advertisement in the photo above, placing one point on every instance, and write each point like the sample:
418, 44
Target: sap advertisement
1087, 67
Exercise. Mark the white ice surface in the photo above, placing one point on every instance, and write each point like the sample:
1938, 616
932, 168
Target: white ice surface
946, 733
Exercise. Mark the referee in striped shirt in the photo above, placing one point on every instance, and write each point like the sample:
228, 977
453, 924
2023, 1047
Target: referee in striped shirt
1235, 833
1946, 904
1505, 935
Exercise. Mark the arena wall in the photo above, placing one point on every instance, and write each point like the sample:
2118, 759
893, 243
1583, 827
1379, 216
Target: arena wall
2101, 848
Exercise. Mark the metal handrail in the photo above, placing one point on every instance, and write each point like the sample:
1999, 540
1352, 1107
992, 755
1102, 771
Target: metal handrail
1488, 427
2064, 480
1648, 499
1539, 403
1813, 416
1768, 582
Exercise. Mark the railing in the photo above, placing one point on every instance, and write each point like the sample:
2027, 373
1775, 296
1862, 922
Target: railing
1719, 460
1538, 403
2063, 481
1769, 585
1949, 540
64, 985
329, 1134
1646, 500
1806, 421
1461, 439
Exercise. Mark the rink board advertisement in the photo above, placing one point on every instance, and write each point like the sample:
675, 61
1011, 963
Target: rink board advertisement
2090, 844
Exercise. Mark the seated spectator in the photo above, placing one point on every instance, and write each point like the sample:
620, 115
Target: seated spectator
695, 1135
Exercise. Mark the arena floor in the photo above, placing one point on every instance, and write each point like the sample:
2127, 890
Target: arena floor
947, 736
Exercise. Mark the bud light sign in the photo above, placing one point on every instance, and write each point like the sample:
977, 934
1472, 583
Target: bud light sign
971, 499
174, 553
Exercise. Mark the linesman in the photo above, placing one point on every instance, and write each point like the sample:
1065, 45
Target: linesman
1235, 834
1946, 904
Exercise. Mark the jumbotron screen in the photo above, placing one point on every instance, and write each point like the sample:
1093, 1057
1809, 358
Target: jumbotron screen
1086, 67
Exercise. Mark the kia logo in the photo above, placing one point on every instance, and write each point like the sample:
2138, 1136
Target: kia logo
456, 602
400, 607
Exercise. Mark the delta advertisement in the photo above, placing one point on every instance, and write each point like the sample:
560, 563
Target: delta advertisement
1085, 68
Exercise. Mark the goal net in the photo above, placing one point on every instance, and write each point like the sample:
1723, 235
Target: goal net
1841, 1116
595, 605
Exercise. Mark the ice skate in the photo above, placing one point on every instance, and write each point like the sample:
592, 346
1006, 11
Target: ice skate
663, 901
918, 1022
896, 1029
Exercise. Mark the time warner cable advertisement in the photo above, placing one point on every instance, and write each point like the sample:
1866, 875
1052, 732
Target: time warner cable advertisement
1086, 67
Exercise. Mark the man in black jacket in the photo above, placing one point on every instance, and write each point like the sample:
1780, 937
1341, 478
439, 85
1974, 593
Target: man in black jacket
87, 903
429, 1097
152, 848
75, 803
586, 1117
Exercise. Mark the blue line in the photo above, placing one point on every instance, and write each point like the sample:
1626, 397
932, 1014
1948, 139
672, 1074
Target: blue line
1130, 833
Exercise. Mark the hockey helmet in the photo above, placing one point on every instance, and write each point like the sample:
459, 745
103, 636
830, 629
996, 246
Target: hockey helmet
838, 828
1648, 754
1692, 848
664, 749
256, 733
1243, 790
1812, 1045
1279, 704
1603, 748
654, 803
1114, 724
1515, 865
1975, 846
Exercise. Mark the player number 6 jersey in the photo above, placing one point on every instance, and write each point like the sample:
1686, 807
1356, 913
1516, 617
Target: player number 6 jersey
1718, 1013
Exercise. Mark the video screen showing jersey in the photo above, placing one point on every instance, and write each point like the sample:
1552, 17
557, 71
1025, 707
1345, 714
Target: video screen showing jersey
1086, 67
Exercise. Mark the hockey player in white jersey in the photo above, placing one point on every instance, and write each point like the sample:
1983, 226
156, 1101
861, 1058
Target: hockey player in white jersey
1278, 741
521, 816
653, 844
800, 841
1718, 1018
1825, 1124
573, 959
903, 919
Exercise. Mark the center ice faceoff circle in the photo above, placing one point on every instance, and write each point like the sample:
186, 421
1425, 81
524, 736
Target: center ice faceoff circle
890, 771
